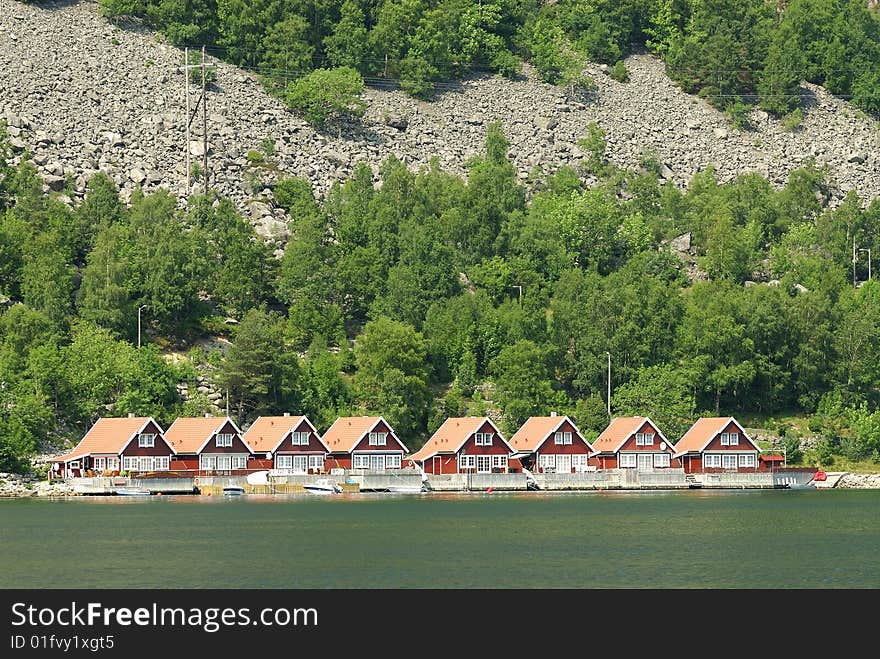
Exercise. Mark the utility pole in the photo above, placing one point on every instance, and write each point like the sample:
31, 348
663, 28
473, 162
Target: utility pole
519, 288
609, 384
191, 114
140, 308
868, 250
854, 259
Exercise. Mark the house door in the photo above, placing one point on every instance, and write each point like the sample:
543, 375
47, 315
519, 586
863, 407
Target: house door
646, 461
377, 462
484, 464
563, 464
300, 464
224, 462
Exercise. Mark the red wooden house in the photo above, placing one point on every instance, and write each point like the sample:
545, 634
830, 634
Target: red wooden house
462, 445
551, 444
208, 444
633, 442
290, 444
117, 444
363, 442
717, 444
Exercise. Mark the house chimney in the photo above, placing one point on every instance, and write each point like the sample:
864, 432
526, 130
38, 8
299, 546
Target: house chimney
287, 414
207, 415
131, 415
552, 413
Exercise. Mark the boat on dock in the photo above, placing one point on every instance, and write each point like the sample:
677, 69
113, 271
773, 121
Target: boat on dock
130, 491
407, 489
323, 486
233, 490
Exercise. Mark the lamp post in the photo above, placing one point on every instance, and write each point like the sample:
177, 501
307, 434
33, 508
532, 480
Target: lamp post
609, 384
868, 250
519, 289
140, 308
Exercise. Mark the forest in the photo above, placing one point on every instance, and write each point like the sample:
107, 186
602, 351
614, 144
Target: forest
734, 54
428, 295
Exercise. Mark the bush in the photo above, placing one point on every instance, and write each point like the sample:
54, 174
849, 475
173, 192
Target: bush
792, 121
738, 113
267, 144
618, 72
254, 157
325, 94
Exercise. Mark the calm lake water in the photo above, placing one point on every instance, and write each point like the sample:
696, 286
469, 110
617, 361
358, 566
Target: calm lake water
692, 539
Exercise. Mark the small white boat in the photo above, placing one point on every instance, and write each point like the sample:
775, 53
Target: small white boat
406, 489
132, 492
323, 486
233, 490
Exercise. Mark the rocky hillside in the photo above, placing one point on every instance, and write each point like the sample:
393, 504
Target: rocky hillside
84, 95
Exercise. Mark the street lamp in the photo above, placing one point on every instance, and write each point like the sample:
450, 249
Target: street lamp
868, 249
609, 384
140, 308
519, 288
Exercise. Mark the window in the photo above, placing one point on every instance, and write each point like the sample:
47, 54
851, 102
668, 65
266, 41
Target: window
146, 440
483, 439
224, 439
547, 461
100, 464
644, 439
378, 438
499, 462
361, 461
661, 459
129, 463
392, 462
283, 461
728, 461
112, 464
734, 439
712, 460
557, 439
316, 462
467, 461
207, 462
145, 463
300, 439
239, 461
562, 438
484, 464
161, 463
627, 460
579, 462
747, 460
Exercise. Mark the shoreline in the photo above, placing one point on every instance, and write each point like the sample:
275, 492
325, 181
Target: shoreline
15, 486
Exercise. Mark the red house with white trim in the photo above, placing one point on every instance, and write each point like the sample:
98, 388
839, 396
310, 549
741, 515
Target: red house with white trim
717, 444
117, 444
633, 442
290, 444
208, 445
461, 445
363, 442
552, 444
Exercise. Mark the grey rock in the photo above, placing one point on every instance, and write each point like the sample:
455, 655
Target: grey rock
397, 121
113, 139
137, 176
681, 243
857, 157
55, 183
546, 123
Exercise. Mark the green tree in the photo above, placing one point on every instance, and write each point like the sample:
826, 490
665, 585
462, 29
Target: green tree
327, 94
523, 384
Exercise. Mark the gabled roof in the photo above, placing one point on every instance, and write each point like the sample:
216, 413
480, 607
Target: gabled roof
345, 433
619, 430
452, 434
535, 431
267, 432
704, 431
192, 434
108, 436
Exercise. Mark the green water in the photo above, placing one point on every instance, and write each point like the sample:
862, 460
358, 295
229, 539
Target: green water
693, 539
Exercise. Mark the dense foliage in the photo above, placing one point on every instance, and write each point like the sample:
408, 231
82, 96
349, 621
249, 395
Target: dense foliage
431, 295
733, 53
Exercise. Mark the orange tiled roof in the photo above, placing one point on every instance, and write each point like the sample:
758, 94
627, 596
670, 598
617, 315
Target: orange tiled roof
347, 431
189, 434
618, 431
535, 430
704, 430
108, 435
453, 432
267, 432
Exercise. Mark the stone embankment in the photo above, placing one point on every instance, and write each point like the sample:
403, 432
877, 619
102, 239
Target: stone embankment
15, 485
859, 481
83, 95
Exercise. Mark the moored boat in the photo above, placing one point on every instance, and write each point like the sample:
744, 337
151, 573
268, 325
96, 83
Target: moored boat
323, 486
233, 490
132, 492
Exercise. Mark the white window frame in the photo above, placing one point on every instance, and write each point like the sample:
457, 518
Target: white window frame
725, 439
283, 462
145, 463
300, 439
558, 439
712, 460
239, 461
466, 461
661, 460
726, 461
579, 461
734, 438
360, 461
129, 463
483, 438
644, 439
378, 438
113, 464
628, 461
223, 440
747, 460
207, 462
499, 462
316, 462
147, 440
547, 461
162, 463
392, 461
100, 463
